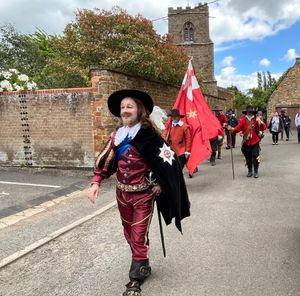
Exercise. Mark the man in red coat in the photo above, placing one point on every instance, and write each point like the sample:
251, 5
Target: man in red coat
252, 128
223, 121
179, 137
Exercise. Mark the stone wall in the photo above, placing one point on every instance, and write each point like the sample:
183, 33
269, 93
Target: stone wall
287, 94
227, 96
47, 128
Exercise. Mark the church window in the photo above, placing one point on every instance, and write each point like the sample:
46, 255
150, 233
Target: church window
188, 30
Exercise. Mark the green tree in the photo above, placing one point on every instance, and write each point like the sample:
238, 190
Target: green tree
117, 40
258, 98
19, 51
259, 80
240, 100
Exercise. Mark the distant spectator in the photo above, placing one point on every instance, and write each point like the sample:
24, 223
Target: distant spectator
297, 123
275, 126
286, 124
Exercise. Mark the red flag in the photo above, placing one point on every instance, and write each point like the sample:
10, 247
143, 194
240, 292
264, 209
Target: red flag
204, 125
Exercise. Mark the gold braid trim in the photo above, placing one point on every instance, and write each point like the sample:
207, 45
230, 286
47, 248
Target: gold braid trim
101, 158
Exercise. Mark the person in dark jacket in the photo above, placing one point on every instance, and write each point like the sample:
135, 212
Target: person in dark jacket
147, 170
286, 120
233, 122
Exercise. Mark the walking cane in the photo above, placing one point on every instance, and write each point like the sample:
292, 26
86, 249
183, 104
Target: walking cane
161, 231
231, 154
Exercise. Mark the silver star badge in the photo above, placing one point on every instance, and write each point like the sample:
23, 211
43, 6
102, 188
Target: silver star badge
167, 154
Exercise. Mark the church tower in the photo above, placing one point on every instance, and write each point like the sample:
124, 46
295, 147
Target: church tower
190, 30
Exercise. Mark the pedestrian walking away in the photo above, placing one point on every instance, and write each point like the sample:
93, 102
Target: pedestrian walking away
252, 128
147, 170
297, 123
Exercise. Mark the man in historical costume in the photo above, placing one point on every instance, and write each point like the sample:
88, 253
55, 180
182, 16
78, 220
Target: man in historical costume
223, 121
214, 144
233, 122
146, 170
252, 128
179, 136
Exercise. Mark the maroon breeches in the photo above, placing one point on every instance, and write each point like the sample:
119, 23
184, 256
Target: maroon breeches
136, 210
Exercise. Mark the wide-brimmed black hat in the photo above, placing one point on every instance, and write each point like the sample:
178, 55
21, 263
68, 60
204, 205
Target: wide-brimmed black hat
250, 109
175, 112
114, 100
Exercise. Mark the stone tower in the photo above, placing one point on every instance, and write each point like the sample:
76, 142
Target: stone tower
190, 30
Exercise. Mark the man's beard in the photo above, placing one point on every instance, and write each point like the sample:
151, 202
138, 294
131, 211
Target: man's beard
128, 121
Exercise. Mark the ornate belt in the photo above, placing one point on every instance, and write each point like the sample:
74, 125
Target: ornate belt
132, 188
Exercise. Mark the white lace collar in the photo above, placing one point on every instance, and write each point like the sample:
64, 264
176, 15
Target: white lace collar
180, 123
125, 131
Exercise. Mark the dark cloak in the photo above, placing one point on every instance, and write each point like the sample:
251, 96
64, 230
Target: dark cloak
173, 202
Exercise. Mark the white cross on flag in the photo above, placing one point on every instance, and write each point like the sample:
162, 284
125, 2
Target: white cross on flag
203, 123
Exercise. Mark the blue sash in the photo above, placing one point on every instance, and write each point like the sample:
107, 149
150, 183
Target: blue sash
123, 147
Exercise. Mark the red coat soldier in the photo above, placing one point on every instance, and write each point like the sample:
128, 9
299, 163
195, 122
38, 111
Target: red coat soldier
252, 128
179, 137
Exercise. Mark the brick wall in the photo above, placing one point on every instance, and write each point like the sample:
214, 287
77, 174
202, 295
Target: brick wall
108, 81
68, 127
287, 94
47, 128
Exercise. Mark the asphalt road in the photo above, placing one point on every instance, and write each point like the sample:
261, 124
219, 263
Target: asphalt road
243, 238
22, 188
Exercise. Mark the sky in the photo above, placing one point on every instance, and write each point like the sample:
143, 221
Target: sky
248, 35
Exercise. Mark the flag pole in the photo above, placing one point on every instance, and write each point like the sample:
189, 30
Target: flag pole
231, 154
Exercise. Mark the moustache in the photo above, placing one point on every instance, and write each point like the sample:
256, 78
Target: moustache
125, 114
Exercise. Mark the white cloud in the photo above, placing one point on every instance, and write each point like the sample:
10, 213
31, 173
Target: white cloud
229, 77
290, 55
265, 62
235, 20
227, 61
232, 20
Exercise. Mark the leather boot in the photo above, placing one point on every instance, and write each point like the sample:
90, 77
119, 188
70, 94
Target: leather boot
139, 270
212, 161
255, 173
250, 173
